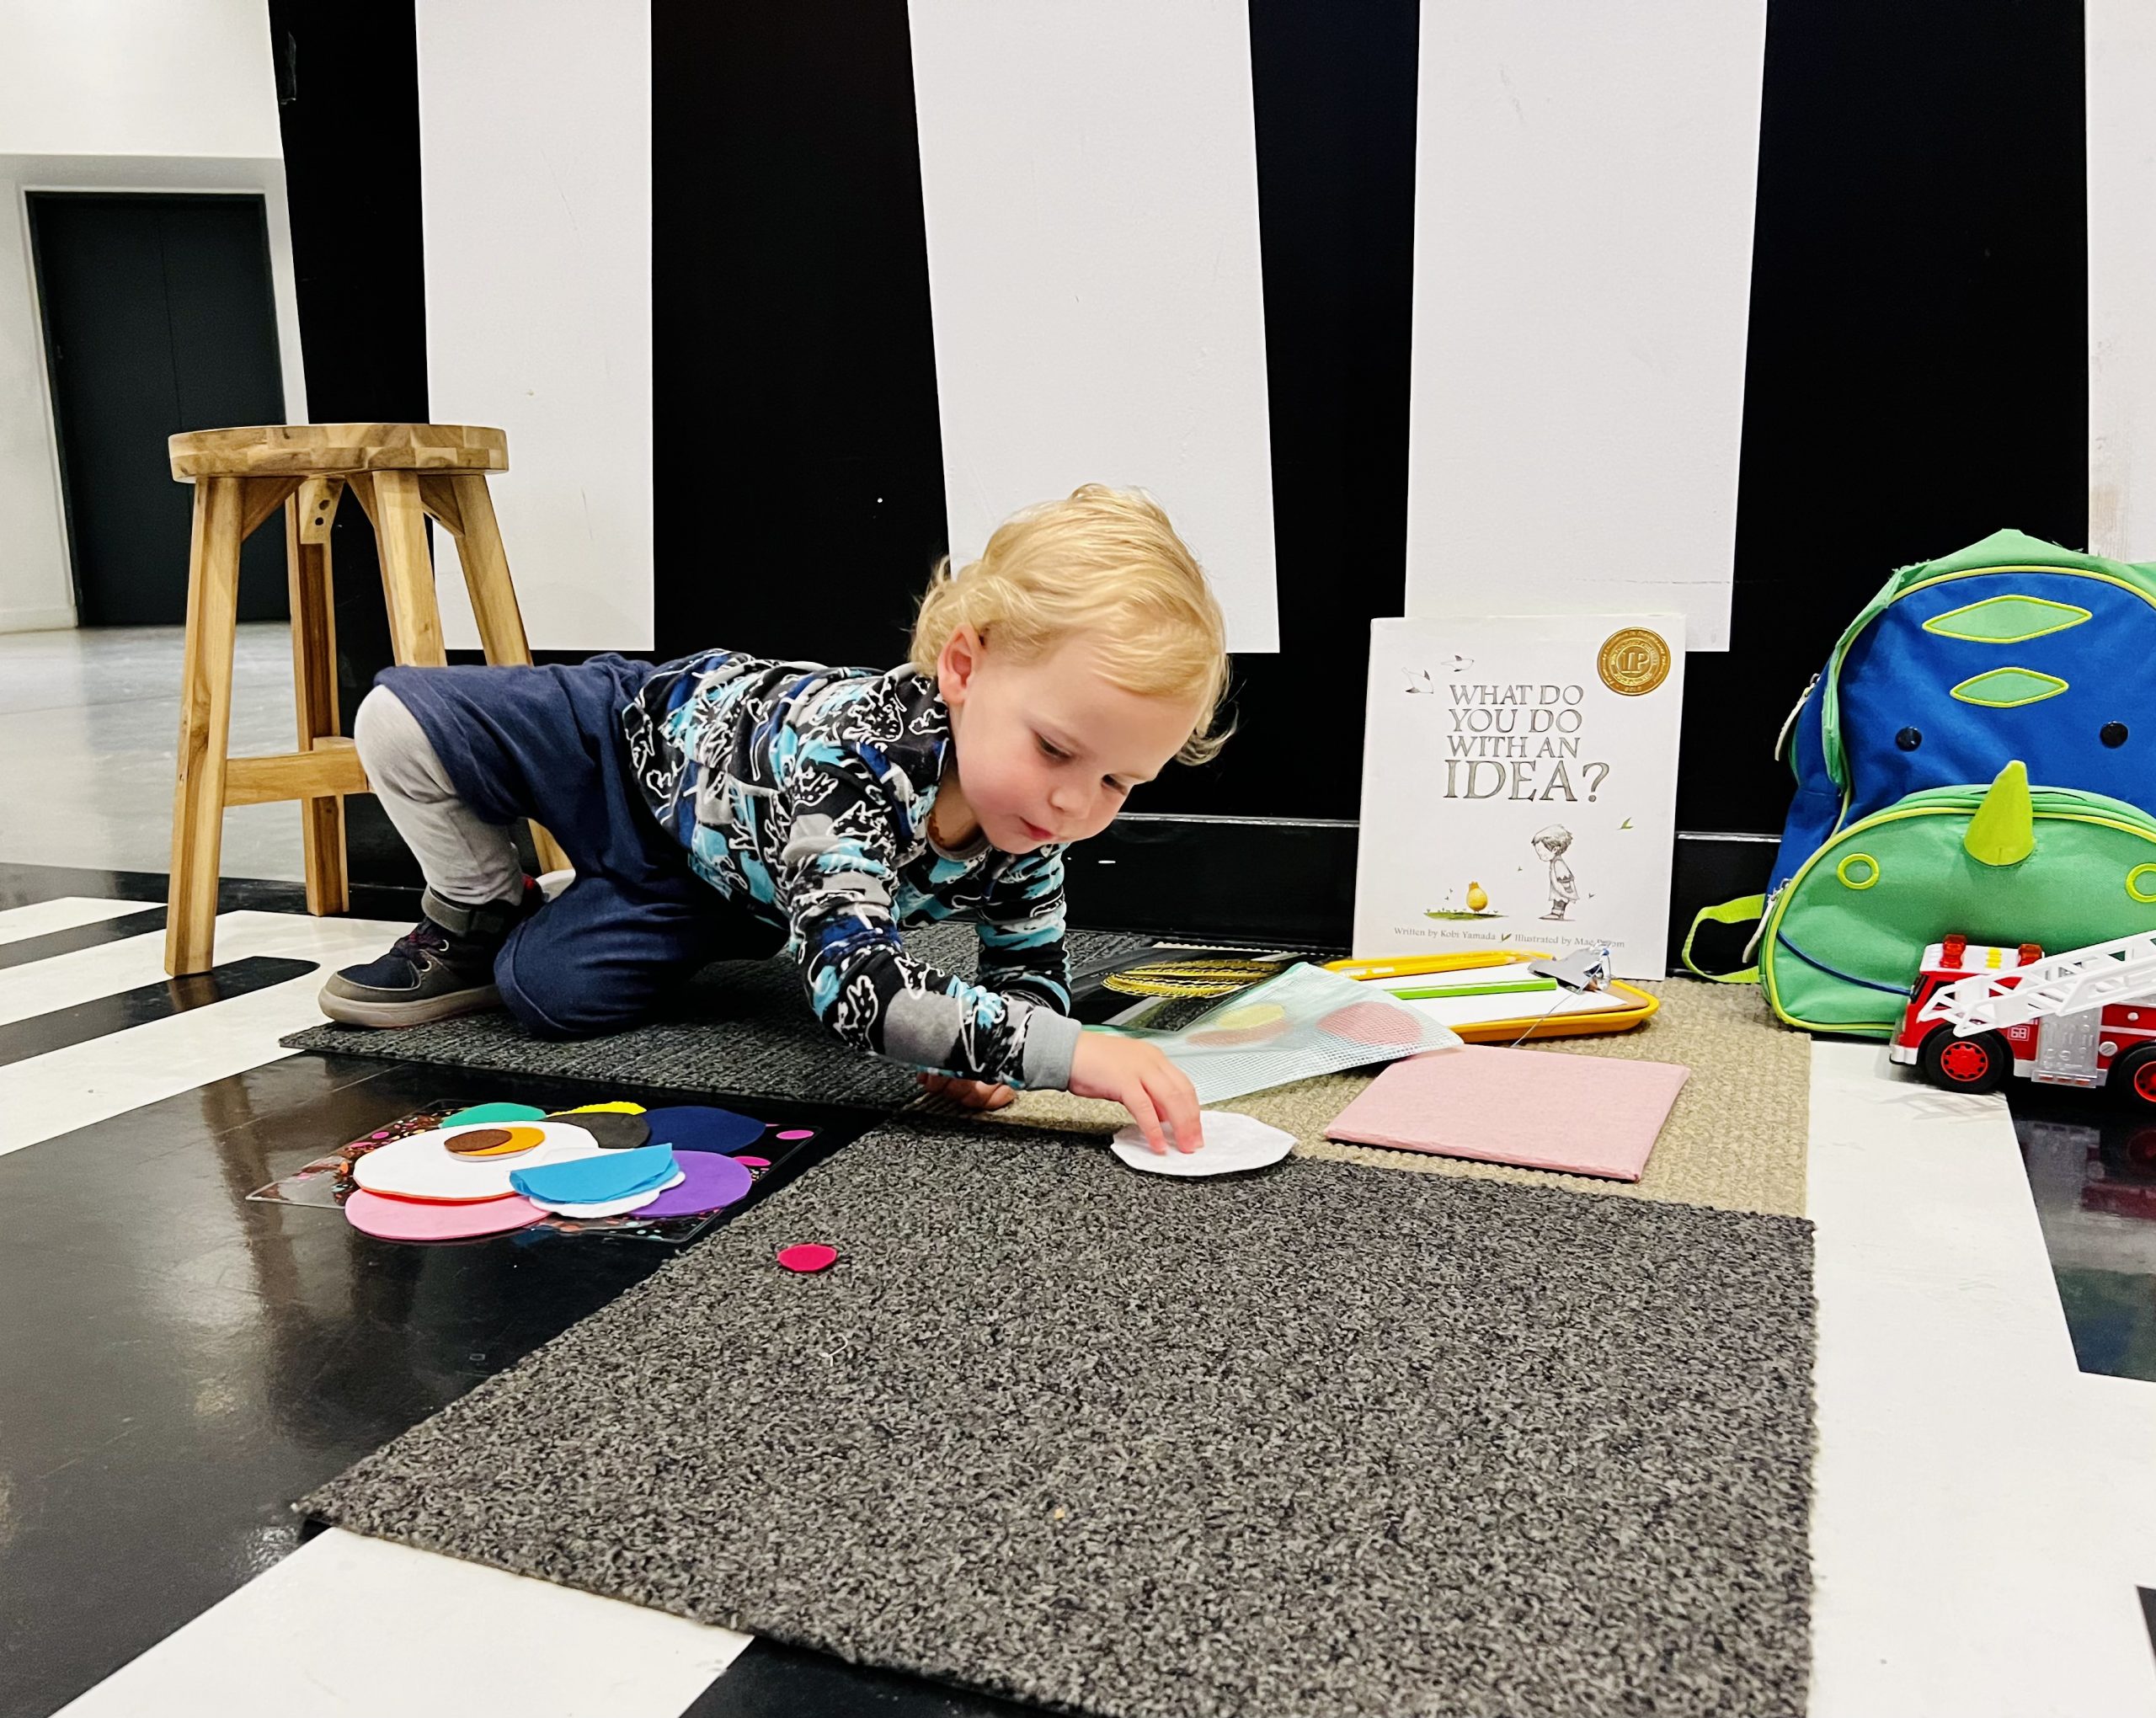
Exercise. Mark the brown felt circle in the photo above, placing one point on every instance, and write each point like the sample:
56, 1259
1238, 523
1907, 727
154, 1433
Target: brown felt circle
477, 1139
514, 1139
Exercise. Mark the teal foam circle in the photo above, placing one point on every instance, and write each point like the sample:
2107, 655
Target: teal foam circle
493, 1112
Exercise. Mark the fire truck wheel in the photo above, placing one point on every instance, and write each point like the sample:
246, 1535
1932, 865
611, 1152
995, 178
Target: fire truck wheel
2134, 1075
1982, 1063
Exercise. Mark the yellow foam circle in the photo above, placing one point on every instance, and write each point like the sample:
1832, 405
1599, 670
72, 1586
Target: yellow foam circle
592, 1109
520, 1139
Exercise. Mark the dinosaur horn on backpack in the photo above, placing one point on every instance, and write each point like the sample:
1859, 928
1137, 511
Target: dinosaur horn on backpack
2003, 830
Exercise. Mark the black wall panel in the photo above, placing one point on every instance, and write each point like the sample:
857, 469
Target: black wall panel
1916, 374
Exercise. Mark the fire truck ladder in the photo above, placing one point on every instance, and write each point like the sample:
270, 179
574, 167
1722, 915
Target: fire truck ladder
2124, 971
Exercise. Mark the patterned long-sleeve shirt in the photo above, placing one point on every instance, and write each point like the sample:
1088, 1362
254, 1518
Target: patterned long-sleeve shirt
803, 794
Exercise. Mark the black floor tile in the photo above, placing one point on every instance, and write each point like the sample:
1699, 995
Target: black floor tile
41, 1034
26, 949
2091, 1162
771, 1681
179, 1364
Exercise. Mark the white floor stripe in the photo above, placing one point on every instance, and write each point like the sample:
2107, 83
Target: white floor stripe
65, 914
56, 1093
352, 1624
64, 980
1969, 1543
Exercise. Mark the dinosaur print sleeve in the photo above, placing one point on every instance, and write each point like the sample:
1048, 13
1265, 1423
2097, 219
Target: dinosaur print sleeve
1022, 944
836, 878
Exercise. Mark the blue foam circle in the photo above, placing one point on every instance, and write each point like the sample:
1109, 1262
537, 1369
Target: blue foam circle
695, 1127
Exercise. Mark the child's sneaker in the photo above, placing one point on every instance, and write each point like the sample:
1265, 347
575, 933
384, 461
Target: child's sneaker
444, 965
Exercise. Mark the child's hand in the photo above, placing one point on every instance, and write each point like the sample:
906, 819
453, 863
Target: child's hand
1138, 1076
971, 1093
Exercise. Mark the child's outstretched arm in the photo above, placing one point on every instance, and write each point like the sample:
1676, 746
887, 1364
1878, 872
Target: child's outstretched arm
837, 873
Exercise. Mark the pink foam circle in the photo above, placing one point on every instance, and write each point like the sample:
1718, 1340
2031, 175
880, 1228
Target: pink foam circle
808, 1257
798, 1133
418, 1219
747, 1162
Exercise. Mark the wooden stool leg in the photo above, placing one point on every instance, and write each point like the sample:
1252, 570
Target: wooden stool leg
408, 571
493, 604
307, 518
206, 709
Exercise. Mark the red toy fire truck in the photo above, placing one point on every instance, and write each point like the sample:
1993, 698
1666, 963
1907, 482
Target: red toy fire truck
2087, 1017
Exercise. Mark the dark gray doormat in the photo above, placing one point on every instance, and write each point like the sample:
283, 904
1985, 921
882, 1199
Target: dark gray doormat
739, 1027
1327, 1440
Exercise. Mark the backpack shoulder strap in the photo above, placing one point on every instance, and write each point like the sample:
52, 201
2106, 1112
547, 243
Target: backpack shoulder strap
1743, 911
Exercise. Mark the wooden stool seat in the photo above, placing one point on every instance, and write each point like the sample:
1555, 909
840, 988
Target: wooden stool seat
326, 450
401, 475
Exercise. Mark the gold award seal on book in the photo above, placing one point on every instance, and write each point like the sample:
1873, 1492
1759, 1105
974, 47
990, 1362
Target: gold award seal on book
1633, 661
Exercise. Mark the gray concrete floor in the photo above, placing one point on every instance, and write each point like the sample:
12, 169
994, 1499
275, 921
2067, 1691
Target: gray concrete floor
89, 726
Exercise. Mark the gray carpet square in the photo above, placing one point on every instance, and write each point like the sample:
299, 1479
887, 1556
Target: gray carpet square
741, 1027
1327, 1439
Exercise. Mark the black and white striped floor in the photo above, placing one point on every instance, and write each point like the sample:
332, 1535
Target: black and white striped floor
174, 1369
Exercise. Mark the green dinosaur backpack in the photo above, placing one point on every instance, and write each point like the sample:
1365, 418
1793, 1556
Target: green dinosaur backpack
1841, 943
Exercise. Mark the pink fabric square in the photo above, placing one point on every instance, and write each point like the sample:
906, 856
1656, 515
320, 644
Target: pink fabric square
1582, 1115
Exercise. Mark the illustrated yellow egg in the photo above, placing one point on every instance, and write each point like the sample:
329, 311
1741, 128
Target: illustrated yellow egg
1477, 898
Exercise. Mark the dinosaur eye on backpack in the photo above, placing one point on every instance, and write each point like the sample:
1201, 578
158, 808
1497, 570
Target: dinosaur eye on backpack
1908, 740
2113, 735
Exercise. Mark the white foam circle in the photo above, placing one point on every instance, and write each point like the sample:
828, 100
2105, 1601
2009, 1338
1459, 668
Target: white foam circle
613, 1208
422, 1167
1234, 1143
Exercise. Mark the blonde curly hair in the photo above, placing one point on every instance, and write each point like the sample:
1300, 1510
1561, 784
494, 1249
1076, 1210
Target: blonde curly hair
1105, 562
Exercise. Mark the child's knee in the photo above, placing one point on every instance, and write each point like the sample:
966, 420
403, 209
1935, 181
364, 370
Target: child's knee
394, 749
544, 994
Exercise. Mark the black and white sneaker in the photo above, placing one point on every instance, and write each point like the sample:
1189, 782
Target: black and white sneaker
443, 966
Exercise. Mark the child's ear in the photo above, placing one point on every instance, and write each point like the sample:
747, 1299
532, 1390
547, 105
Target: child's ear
955, 665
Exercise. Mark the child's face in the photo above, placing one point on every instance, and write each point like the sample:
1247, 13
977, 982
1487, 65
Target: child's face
1048, 751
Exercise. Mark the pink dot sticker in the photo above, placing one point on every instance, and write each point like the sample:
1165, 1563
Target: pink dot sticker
747, 1162
807, 1257
798, 1133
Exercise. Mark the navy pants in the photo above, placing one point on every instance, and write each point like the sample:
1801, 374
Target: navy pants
545, 743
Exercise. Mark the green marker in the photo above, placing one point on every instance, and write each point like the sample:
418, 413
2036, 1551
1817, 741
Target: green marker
1499, 989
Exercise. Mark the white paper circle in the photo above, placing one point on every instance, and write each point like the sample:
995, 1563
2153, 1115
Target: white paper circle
1233, 1142
422, 1167
613, 1208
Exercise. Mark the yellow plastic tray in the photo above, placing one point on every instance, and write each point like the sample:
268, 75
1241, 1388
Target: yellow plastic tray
1507, 1031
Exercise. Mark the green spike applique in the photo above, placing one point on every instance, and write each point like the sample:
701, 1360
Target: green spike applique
2009, 688
2002, 831
2007, 620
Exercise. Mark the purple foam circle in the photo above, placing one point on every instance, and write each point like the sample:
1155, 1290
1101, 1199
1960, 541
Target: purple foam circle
709, 1180
697, 1127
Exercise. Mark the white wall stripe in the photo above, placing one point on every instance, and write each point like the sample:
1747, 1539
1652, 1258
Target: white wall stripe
46, 1095
42, 918
352, 1624
1970, 1551
534, 121
1584, 184
2121, 49
1089, 179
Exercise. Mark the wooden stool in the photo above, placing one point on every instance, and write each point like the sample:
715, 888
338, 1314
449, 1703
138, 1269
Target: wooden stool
402, 474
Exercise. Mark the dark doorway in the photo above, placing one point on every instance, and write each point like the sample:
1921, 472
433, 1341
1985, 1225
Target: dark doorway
158, 317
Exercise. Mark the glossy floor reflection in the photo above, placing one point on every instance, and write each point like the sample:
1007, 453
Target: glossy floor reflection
181, 1363
2091, 1160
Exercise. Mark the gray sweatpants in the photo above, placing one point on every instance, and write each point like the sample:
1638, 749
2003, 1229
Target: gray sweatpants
465, 859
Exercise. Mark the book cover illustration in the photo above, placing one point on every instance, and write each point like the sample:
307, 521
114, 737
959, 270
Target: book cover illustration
1519, 785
